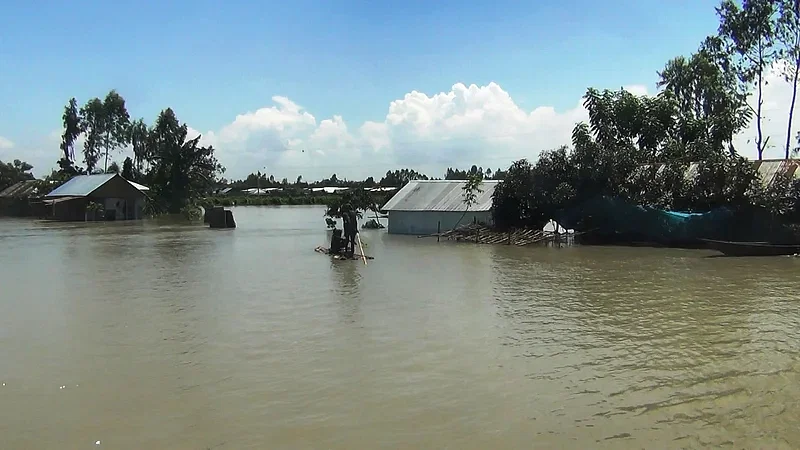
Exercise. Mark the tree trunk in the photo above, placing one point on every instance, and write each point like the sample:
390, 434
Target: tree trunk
760, 138
791, 109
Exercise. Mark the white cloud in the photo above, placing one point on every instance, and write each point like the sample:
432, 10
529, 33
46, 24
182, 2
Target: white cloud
636, 89
5, 143
464, 126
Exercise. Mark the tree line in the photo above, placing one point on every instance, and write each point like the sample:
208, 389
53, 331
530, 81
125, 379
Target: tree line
638, 148
392, 178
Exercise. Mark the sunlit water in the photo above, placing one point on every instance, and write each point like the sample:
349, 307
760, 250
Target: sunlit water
163, 335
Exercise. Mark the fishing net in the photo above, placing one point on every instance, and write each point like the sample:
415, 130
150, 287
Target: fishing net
617, 220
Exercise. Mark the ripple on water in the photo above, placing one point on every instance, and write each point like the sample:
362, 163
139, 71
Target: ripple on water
184, 338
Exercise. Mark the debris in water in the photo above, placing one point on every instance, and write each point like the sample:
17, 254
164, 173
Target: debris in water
97, 443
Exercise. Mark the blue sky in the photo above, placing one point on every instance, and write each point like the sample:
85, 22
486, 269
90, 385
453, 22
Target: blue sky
211, 61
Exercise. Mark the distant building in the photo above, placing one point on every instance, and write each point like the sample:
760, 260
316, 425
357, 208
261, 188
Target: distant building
119, 199
423, 207
329, 189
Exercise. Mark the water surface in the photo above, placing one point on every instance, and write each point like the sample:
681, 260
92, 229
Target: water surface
168, 335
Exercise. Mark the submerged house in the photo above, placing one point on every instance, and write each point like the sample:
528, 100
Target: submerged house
426, 207
20, 199
112, 198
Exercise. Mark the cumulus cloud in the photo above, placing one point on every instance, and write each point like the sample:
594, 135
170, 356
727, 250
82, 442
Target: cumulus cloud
467, 125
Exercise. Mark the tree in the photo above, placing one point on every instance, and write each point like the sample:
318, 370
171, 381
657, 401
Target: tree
512, 200
128, 171
14, 172
299, 180
470, 191
788, 34
139, 139
71, 120
113, 168
749, 33
711, 103
117, 124
93, 124
182, 170
399, 178
358, 198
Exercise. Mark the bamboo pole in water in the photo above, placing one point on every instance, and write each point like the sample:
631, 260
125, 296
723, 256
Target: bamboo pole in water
361, 246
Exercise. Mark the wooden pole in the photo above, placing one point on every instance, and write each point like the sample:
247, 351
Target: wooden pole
438, 230
361, 246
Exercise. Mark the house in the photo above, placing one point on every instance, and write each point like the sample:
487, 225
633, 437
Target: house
426, 207
20, 199
108, 196
22, 189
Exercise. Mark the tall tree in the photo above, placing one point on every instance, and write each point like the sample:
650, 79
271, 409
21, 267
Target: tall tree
128, 171
749, 32
93, 123
182, 170
117, 124
712, 104
138, 139
788, 34
71, 120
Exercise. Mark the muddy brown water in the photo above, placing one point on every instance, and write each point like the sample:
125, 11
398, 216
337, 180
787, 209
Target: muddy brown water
172, 336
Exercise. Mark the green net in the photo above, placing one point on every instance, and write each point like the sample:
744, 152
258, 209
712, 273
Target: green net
614, 219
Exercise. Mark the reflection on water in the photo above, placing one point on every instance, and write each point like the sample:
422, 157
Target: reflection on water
167, 335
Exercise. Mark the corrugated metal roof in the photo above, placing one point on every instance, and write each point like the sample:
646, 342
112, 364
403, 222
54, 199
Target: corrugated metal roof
22, 189
81, 185
439, 195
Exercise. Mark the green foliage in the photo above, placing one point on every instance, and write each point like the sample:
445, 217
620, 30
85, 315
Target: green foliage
71, 120
117, 123
93, 125
128, 172
181, 169
14, 172
139, 137
192, 212
472, 188
633, 148
359, 199
399, 178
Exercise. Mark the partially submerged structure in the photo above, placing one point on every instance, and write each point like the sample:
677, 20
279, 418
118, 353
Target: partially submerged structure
432, 206
97, 197
21, 199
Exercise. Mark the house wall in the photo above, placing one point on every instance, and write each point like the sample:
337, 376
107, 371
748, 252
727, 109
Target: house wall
425, 222
71, 210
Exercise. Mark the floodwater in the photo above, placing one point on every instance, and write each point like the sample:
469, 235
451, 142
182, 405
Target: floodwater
165, 335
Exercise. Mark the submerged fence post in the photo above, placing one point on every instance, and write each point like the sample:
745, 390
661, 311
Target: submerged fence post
438, 230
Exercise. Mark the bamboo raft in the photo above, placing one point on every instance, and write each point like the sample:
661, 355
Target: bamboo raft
327, 251
482, 234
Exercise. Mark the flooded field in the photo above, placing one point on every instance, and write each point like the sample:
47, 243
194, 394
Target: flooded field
168, 335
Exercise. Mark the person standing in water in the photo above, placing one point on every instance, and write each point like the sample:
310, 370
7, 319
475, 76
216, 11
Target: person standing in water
350, 221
